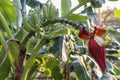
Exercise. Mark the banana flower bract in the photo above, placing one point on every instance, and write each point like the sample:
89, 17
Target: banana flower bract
96, 44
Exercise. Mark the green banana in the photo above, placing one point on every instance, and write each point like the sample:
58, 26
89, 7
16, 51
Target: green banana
40, 15
37, 27
45, 13
36, 18
48, 8
28, 27
51, 11
25, 19
29, 20
32, 18
41, 19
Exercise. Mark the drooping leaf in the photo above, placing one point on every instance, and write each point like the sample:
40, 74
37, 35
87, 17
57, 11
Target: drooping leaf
80, 68
112, 51
8, 10
65, 6
89, 64
116, 70
113, 68
80, 49
109, 56
76, 17
115, 33
91, 61
117, 13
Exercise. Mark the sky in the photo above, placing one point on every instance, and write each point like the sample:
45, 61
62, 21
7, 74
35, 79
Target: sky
111, 5
108, 4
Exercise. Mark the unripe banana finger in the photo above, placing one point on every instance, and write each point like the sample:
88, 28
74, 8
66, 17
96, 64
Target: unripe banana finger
37, 26
28, 27
36, 18
41, 19
50, 10
25, 19
54, 12
29, 21
45, 13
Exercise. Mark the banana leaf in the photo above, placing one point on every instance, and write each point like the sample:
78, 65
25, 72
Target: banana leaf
5, 68
8, 10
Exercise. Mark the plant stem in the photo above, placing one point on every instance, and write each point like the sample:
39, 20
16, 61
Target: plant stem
76, 7
63, 20
19, 66
27, 37
9, 33
2, 40
6, 27
31, 60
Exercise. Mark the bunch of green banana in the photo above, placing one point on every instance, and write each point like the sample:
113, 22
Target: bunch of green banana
36, 17
49, 11
26, 25
33, 20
